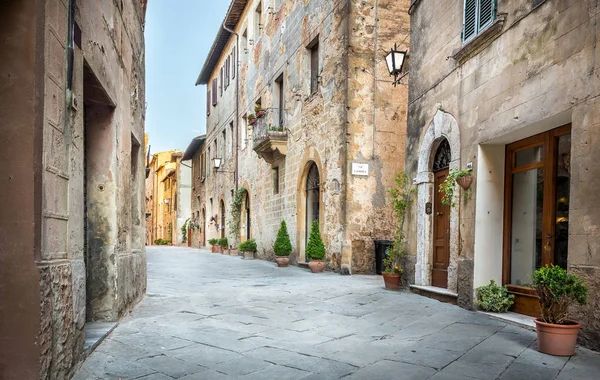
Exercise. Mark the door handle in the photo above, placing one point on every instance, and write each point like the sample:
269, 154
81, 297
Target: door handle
439, 213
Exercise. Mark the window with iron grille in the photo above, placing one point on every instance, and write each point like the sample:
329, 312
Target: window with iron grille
478, 15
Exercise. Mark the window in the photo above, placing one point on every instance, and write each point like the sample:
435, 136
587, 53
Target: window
243, 123
233, 63
227, 72
221, 79
279, 97
244, 47
214, 92
314, 65
208, 102
276, 180
208, 164
478, 15
223, 143
202, 166
231, 139
258, 23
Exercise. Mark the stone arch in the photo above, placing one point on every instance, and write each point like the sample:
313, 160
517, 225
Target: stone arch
222, 219
246, 214
443, 126
310, 157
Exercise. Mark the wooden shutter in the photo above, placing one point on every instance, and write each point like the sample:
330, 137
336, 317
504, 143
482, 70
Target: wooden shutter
226, 72
314, 68
233, 63
470, 19
487, 10
214, 92
208, 102
221, 79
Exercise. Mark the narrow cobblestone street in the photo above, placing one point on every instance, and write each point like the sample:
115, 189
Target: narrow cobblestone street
208, 316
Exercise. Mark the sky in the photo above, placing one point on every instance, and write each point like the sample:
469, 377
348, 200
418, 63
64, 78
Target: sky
178, 35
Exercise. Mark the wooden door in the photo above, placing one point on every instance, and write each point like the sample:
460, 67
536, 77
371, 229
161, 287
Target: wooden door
441, 234
536, 208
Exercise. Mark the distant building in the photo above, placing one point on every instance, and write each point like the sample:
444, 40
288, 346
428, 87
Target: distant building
168, 197
328, 137
72, 110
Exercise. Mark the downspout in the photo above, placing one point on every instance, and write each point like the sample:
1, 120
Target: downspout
237, 102
375, 76
346, 267
70, 59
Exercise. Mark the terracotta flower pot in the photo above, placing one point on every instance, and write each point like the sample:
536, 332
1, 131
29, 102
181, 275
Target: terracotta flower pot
224, 250
465, 181
214, 248
557, 340
252, 121
391, 280
282, 261
248, 255
316, 266
260, 113
233, 252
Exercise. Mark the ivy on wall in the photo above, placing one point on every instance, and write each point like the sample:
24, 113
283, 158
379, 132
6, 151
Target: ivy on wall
236, 213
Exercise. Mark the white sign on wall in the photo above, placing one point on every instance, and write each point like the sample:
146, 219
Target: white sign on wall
360, 169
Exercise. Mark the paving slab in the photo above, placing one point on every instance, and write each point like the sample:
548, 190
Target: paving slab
208, 316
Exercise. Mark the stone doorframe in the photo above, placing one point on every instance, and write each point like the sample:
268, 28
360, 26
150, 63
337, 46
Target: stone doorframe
442, 126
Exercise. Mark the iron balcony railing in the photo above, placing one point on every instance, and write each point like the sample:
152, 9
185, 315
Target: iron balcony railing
269, 126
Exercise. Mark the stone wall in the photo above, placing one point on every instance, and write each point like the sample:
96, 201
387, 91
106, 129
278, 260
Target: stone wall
100, 93
332, 127
531, 72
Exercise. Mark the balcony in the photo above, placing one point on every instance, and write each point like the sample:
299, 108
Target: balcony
270, 137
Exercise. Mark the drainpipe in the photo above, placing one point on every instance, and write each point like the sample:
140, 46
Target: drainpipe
375, 76
70, 59
237, 102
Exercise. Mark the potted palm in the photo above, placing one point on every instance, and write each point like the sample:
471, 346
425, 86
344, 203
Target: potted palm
315, 249
557, 290
223, 245
248, 249
282, 246
214, 247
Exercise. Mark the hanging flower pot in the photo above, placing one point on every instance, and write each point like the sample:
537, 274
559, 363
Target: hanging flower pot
465, 181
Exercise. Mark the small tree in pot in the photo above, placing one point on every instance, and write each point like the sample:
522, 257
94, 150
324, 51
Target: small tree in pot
315, 249
214, 247
557, 290
223, 245
248, 249
282, 246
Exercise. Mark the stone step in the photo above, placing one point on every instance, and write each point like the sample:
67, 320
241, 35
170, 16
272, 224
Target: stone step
440, 294
303, 264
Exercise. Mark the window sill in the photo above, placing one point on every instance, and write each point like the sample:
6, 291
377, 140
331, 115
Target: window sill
481, 41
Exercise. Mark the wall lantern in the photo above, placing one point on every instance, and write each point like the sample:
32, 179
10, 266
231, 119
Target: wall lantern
217, 162
395, 63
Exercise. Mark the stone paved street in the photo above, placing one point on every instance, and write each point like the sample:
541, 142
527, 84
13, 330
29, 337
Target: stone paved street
208, 316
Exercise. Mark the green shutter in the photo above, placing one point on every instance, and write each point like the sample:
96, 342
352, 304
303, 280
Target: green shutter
487, 12
470, 19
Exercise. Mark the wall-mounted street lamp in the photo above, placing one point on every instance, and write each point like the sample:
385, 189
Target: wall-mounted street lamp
395, 63
217, 162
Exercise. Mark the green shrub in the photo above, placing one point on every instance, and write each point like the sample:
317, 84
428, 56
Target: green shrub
283, 245
223, 242
557, 290
315, 249
213, 241
248, 246
494, 298
158, 241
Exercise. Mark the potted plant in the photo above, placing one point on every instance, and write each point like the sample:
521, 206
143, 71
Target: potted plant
557, 290
401, 198
282, 246
251, 119
233, 251
259, 111
315, 249
214, 245
464, 178
248, 249
494, 298
223, 245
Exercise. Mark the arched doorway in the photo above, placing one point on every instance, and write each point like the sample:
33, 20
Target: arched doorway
437, 225
441, 218
222, 212
247, 211
312, 197
203, 228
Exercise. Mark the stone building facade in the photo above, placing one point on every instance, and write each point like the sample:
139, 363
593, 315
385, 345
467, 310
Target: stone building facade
168, 197
72, 224
509, 88
332, 136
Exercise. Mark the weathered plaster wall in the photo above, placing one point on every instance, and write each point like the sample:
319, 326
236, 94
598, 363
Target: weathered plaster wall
184, 193
317, 124
540, 72
48, 192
